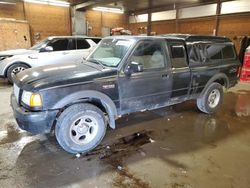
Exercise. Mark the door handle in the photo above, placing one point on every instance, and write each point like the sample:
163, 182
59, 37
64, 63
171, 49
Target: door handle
32, 57
165, 76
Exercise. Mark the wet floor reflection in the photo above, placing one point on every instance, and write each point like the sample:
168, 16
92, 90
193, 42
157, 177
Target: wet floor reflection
242, 107
159, 134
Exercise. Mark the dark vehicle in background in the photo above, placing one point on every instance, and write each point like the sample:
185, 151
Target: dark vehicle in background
121, 76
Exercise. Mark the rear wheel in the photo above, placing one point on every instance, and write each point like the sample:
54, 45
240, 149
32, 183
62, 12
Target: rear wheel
14, 69
80, 128
210, 101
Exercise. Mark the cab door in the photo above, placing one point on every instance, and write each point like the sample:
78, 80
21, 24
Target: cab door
180, 70
151, 87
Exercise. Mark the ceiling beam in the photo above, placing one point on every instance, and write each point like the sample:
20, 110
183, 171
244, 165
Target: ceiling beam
91, 3
84, 5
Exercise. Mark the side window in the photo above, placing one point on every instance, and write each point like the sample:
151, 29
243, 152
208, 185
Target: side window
214, 52
82, 44
178, 57
59, 44
72, 44
193, 53
96, 40
228, 52
149, 54
207, 52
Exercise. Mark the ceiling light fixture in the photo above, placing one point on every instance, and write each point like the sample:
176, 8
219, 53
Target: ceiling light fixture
7, 3
109, 9
49, 2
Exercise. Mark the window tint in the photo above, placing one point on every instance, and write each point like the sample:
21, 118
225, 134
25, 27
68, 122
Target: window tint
177, 52
228, 52
96, 40
193, 53
205, 52
178, 57
82, 44
214, 52
72, 44
59, 44
149, 54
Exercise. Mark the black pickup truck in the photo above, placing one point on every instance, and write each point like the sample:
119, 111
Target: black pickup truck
124, 74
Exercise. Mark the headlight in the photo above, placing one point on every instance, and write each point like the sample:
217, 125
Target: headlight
32, 99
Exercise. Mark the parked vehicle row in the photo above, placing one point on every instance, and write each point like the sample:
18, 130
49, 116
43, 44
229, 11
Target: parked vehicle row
124, 74
53, 50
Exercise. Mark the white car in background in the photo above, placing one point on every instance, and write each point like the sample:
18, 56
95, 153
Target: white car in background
57, 49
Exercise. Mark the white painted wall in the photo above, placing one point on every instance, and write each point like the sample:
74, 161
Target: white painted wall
138, 18
235, 6
164, 15
156, 16
194, 12
198, 11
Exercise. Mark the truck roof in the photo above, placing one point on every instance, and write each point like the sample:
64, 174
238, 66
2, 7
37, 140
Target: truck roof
195, 38
185, 37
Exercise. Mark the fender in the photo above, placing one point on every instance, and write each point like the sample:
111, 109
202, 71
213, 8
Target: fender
91, 94
17, 62
214, 78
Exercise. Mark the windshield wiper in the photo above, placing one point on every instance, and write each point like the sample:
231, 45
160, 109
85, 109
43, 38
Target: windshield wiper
96, 61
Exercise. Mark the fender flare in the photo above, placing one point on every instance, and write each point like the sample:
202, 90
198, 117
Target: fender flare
107, 103
214, 78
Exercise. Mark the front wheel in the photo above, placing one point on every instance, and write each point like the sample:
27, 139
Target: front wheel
80, 128
212, 98
14, 69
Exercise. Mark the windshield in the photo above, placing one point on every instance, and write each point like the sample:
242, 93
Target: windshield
40, 45
110, 52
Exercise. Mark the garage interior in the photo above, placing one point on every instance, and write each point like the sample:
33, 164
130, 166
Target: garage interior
172, 147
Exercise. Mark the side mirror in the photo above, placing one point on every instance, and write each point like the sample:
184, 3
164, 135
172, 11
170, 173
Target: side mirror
133, 67
47, 49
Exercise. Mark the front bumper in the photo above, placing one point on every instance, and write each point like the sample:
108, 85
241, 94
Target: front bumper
3, 66
34, 122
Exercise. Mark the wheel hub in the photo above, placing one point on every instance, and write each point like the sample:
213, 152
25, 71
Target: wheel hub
83, 130
214, 98
17, 70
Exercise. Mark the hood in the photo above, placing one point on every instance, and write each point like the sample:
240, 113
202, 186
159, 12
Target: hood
15, 52
45, 77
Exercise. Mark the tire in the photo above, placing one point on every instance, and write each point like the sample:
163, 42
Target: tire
14, 69
80, 128
211, 100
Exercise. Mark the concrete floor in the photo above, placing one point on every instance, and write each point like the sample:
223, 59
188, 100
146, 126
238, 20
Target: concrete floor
172, 147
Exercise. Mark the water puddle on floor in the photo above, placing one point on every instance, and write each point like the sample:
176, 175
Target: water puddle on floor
120, 149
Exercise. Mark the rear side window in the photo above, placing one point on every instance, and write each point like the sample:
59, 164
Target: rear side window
206, 52
59, 44
178, 57
214, 52
177, 52
228, 52
82, 44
